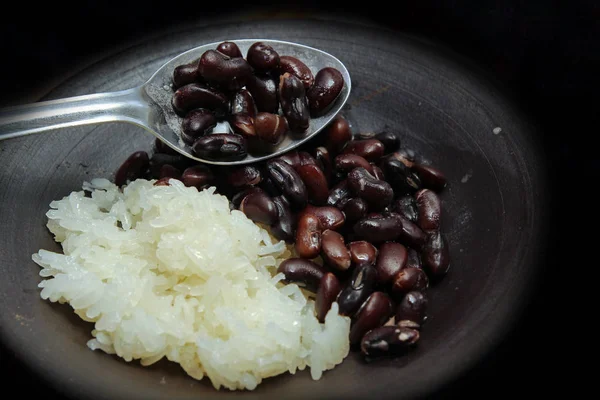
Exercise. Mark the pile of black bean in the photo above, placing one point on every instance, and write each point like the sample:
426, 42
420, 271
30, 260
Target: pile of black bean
362, 212
263, 96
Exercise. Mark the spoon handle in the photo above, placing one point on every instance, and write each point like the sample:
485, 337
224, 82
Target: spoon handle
126, 105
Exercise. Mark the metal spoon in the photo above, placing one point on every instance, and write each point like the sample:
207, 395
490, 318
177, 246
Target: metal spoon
149, 105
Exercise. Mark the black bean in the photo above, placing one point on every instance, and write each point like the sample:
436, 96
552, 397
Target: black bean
414, 259
408, 280
288, 181
326, 88
169, 171
298, 68
323, 159
338, 192
198, 95
259, 207
435, 255
242, 177
410, 233
243, 103
372, 314
270, 128
196, 123
377, 229
285, 226
315, 182
329, 288
377, 193
230, 49
294, 103
390, 140
429, 207
402, 179
264, 92
357, 290
388, 341
198, 176
337, 134
243, 124
362, 253
406, 206
347, 162
390, 261
369, 149
330, 217
262, 57
412, 310
230, 73
185, 73
431, 178
355, 209
334, 250
133, 167
305, 273
220, 146
308, 236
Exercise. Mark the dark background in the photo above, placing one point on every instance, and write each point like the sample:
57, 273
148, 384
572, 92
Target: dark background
545, 53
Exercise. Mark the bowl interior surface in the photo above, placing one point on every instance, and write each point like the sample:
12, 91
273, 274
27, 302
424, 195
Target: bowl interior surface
459, 122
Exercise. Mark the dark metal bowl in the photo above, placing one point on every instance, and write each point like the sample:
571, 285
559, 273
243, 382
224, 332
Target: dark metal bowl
461, 122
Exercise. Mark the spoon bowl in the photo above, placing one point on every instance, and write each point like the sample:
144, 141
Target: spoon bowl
149, 105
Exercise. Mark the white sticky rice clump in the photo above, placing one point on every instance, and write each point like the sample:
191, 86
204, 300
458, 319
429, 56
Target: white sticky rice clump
167, 271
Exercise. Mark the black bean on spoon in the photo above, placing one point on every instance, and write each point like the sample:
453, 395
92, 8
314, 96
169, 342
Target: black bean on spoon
203, 77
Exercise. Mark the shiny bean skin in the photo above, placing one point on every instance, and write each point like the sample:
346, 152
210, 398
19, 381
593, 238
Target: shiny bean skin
294, 103
285, 226
220, 146
410, 233
337, 134
288, 181
268, 186
390, 261
355, 209
357, 290
169, 171
184, 74
230, 73
262, 57
230, 49
243, 103
369, 149
323, 159
362, 253
315, 182
372, 314
237, 198
406, 156
402, 179
270, 128
264, 92
390, 141
305, 273
334, 250
308, 236
330, 217
296, 67
292, 158
378, 229
347, 162
338, 192
196, 123
328, 290
133, 167
431, 178
305, 158
435, 256
378, 194
408, 280
326, 88
378, 173
197, 95
198, 176
243, 124
241, 177
412, 310
388, 341
407, 207
429, 206
259, 207
414, 259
